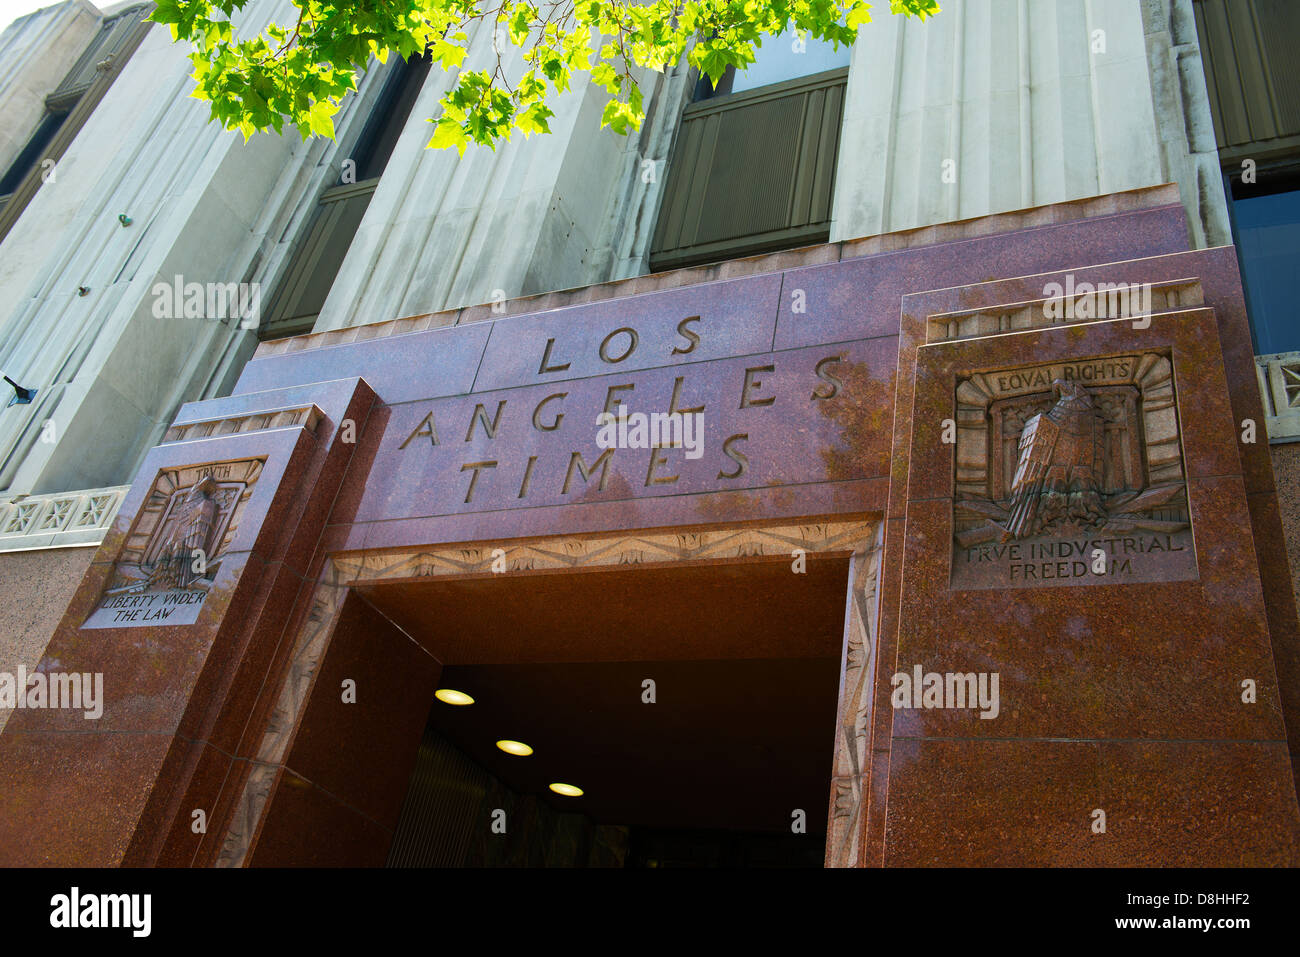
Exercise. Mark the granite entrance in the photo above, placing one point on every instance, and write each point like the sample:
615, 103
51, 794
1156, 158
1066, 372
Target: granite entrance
687, 683
1049, 488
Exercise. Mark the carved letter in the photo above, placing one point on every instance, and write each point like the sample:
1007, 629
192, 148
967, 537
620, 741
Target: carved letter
677, 396
692, 337
751, 383
476, 466
611, 403
741, 460
559, 416
631, 345
431, 431
576, 459
480, 415
825, 376
546, 358
657, 459
528, 474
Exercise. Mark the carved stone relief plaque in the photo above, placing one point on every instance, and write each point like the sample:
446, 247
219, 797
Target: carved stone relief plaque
1070, 474
173, 552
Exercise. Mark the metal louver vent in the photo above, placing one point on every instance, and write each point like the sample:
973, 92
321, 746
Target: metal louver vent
443, 807
752, 172
1249, 51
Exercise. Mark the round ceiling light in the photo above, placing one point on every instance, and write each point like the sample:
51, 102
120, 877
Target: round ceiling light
517, 748
568, 790
451, 696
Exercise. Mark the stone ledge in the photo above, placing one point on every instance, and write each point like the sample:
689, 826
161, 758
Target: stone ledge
58, 520
1107, 301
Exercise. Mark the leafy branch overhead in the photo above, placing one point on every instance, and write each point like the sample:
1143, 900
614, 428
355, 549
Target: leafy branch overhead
298, 72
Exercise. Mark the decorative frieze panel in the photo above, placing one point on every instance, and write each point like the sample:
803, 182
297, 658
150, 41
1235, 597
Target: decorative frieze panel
1279, 387
63, 519
306, 416
848, 809
1085, 302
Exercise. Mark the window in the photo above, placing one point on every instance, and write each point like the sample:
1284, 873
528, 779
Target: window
1248, 47
328, 235
786, 57
69, 106
25, 160
753, 166
1266, 227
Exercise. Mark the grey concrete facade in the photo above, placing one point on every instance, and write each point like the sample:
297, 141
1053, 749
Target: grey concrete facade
1022, 95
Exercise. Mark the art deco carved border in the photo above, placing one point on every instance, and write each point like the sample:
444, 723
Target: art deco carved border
852, 746
858, 539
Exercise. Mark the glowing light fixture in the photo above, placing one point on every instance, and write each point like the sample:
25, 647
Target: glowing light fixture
451, 696
517, 748
568, 790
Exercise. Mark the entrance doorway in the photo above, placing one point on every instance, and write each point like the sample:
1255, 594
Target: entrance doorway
707, 689
693, 705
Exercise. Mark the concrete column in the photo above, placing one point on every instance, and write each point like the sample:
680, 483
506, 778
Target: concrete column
204, 206
532, 215
996, 105
36, 51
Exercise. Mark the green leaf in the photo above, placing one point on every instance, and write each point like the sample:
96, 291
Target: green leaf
296, 71
447, 54
533, 120
320, 119
448, 133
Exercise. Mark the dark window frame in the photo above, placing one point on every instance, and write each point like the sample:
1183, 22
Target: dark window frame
324, 240
74, 100
1280, 175
694, 174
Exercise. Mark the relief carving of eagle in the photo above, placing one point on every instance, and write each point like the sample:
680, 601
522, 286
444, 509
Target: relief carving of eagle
1056, 480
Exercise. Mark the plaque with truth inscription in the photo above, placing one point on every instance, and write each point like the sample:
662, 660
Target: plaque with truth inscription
173, 554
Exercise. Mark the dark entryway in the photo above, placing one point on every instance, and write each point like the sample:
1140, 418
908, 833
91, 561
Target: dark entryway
729, 765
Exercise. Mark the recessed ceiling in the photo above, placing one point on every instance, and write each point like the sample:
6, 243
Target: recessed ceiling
669, 612
735, 745
745, 660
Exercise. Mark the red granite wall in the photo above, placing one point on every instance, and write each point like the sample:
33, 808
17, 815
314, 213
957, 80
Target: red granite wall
35, 588
1286, 476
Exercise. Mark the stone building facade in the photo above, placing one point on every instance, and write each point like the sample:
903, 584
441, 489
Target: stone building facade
982, 395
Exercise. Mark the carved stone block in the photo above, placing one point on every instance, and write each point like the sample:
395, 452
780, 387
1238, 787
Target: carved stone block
173, 552
1070, 473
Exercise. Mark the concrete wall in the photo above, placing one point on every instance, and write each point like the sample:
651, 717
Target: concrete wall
35, 588
533, 215
204, 206
36, 51
997, 105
